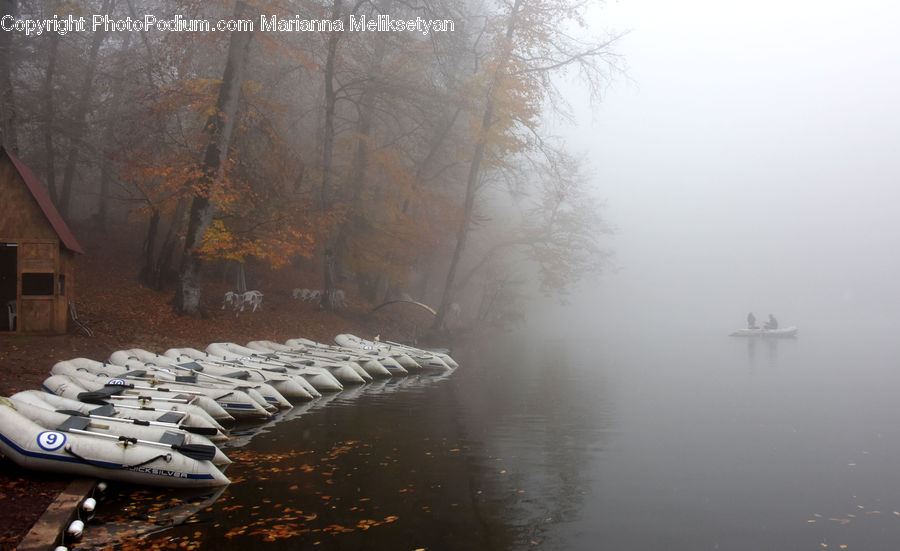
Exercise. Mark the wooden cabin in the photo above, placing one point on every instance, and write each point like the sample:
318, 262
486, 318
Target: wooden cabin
37, 250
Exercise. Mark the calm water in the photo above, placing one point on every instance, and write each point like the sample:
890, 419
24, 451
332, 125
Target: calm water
675, 442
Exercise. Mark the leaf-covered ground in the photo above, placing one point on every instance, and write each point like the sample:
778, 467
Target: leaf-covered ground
121, 313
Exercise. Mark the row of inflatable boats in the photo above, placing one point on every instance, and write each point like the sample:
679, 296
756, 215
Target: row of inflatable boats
156, 419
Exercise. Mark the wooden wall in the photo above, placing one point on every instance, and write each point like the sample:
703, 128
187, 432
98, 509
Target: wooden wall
39, 251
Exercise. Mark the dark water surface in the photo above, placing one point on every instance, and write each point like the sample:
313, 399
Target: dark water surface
684, 443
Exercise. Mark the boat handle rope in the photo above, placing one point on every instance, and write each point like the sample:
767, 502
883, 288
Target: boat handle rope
166, 456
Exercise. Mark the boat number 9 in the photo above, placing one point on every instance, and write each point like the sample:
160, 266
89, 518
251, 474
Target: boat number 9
50, 440
116, 382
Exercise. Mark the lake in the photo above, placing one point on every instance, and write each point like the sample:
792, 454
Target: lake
683, 440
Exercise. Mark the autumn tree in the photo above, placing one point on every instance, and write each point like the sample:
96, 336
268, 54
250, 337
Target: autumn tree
513, 85
556, 232
207, 184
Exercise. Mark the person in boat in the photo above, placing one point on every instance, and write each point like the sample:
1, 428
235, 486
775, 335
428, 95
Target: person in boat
751, 321
771, 324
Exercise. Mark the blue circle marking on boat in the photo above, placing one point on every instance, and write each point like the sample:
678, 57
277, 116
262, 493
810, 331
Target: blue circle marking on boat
51, 440
117, 382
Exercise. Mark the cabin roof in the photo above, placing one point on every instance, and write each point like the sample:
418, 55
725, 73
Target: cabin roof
43, 200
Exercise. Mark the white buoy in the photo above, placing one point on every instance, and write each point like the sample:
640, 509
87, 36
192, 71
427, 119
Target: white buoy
88, 505
61, 548
76, 528
101, 486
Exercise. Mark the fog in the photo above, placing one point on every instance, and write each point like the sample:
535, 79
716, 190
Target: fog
749, 162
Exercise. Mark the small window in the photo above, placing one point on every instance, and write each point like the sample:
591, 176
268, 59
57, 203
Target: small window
37, 284
61, 285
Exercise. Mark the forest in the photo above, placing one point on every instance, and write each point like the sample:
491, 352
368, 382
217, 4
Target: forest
394, 148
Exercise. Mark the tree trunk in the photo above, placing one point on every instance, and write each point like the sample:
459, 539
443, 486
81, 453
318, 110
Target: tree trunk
50, 117
219, 128
79, 121
147, 275
329, 264
8, 134
115, 113
162, 268
475, 171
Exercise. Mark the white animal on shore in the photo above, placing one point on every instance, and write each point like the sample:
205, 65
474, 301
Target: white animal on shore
339, 299
231, 300
252, 298
306, 294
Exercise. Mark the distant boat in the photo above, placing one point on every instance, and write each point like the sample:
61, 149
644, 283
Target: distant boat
772, 333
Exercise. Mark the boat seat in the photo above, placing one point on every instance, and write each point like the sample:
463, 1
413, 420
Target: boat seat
107, 391
136, 373
191, 365
171, 417
277, 369
172, 438
106, 410
73, 422
242, 375
185, 378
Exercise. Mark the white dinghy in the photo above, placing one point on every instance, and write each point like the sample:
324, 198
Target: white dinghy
303, 358
287, 386
343, 373
319, 379
44, 415
75, 451
425, 359
244, 403
63, 385
120, 389
370, 364
165, 372
770, 333
357, 354
170, 419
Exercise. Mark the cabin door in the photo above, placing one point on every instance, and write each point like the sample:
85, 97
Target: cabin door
8, 285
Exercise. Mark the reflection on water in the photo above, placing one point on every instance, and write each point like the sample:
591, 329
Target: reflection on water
768, 346
484, 458
604, 443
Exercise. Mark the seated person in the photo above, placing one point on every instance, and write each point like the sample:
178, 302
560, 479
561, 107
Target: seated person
772, 323
751, 321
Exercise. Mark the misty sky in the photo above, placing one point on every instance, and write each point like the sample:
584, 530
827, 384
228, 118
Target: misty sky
753, 161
